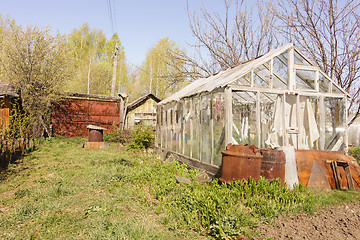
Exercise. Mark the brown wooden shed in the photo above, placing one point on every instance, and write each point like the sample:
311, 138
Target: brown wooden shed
8, 93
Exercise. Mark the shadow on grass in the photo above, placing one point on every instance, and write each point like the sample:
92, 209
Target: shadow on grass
7, 158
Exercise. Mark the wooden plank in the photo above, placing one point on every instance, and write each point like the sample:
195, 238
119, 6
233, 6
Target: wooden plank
349, 177
336, 175
213, 170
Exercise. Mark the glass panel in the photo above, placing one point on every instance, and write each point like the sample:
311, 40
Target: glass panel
163, 126
335, 89
280, 71
244, 80
195, 116
324, 83
280, 66
219, 127
262, 75
244, 119
305, 79
187, 133
334, 124
299, 59
171, 128
271, 112
279, 83
179, 126
205, 129
312, 123
158, 126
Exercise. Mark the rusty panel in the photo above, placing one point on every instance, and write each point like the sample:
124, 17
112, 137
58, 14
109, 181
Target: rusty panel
304, 161
318, 178
273, 164
71, 116
4, 117
240, 162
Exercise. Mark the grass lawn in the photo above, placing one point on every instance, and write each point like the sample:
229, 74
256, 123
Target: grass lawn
61, 191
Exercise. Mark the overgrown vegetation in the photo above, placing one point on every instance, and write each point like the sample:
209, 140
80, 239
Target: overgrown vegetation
355, 152
64, 191
142, 138
16, 135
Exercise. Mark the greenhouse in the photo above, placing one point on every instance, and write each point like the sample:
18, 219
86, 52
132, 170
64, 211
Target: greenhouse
278, 99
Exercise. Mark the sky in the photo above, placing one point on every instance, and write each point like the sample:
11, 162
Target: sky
140, 24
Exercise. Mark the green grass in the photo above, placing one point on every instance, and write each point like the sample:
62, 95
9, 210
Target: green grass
61, 191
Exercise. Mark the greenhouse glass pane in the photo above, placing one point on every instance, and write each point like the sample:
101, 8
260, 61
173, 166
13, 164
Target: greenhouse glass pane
244, 80
271, 120
280, 66
205, 115
335, 89
195, 116
305, 79
244, 120
187, 132
262, 75
219, 127
334, 124
324, 83
299, 59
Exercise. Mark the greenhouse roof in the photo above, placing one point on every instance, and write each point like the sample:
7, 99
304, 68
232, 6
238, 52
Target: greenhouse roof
231, 75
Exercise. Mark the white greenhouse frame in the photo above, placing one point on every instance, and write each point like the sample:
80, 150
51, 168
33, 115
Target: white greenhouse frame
278, 99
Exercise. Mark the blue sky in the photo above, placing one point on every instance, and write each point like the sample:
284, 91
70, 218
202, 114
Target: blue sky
139, 23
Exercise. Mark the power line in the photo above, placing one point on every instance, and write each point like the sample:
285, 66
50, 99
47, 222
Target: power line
110, 14
114, 16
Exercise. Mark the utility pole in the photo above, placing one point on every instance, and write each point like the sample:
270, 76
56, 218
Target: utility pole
114, 70
88, 83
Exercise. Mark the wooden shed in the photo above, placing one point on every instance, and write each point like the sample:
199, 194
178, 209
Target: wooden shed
74, 112
142, 111
8, 94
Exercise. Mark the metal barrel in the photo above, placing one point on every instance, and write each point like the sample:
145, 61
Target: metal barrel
273, 164
240, 162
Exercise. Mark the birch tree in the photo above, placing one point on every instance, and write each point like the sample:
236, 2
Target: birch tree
162, 72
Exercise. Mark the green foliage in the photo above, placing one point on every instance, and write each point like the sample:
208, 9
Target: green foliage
63, 191
15, 135
142, 138
355, 152
93, 58
163, 70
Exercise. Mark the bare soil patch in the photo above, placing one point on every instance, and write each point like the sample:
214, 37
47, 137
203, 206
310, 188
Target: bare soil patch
334, 222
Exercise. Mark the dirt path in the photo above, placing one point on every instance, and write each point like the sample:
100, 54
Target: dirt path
335, 222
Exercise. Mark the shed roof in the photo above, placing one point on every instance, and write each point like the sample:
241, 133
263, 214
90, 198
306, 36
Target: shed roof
6, 89
134, 104
228, 76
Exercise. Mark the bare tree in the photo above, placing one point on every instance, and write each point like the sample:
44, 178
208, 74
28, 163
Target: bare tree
329, 32
227, 39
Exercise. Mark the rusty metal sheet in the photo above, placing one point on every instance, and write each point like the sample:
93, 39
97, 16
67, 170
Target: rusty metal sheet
240, 162
318, 179
306, 158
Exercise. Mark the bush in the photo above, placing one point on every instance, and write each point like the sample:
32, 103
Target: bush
142, 138
355, 152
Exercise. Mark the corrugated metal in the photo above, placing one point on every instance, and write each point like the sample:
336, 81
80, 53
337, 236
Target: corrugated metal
72, 116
